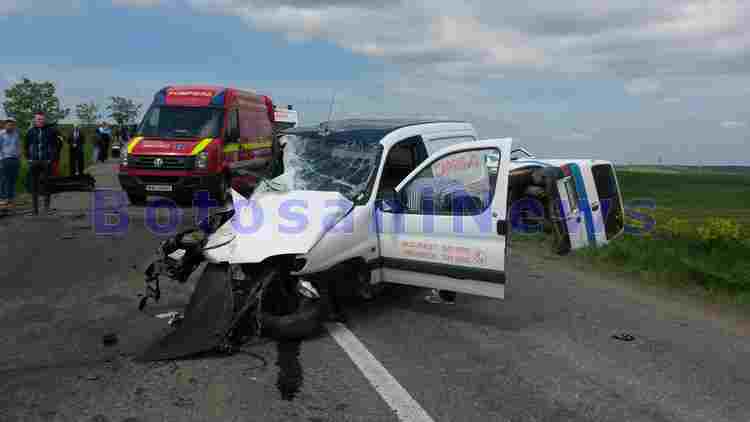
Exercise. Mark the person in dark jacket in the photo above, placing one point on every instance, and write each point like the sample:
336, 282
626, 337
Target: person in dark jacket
105, 139
76, 142
41, 151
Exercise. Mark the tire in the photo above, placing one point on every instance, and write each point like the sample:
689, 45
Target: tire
300, 317
136, 199
222, 189
304, 322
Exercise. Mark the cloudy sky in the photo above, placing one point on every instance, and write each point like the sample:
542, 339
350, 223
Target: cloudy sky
628, 81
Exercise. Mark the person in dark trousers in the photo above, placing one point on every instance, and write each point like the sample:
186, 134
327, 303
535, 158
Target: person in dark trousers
58, 154
105, 138
41, 151
10, 154
76, 142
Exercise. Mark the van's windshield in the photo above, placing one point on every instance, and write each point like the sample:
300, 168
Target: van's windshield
334, 163
182, 122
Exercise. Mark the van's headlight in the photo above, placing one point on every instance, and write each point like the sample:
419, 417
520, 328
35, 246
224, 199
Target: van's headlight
201, 161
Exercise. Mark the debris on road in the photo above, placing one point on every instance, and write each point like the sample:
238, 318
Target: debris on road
174, 317
184, 402
109, 339
623, 337
68, 236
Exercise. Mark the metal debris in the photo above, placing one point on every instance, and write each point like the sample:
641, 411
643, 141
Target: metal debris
109, 339
623, 337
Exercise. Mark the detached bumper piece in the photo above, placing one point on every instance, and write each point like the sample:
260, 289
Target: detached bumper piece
82, 183
208, 316
207, 319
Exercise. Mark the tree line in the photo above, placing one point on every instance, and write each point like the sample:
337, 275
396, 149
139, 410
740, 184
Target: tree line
26, 97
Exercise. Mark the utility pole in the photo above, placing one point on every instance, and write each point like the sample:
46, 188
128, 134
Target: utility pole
330, 110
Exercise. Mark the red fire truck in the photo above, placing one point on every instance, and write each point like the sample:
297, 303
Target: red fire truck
202, 138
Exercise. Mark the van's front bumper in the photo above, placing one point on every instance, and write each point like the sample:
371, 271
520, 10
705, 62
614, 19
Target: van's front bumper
179, 185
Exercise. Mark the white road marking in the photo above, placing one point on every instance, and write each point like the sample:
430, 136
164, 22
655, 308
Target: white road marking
407, 409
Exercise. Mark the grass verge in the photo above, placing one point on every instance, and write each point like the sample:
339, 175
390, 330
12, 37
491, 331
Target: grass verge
700, 238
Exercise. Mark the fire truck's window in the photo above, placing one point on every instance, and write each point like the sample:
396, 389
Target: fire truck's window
456, 184
234, 123
181, 122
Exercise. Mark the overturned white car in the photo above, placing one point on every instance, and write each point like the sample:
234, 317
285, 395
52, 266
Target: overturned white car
422, 203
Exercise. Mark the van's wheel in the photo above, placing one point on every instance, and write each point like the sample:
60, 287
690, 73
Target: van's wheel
286, 314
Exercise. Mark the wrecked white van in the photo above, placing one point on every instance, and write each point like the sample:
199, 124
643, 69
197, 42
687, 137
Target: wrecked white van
422, 203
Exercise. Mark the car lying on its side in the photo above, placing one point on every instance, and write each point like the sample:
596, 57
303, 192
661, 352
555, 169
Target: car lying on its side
422, 203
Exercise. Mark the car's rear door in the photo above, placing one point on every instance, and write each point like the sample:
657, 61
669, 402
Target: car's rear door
447, 224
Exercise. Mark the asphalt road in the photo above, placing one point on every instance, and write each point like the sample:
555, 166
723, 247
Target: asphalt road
546, 353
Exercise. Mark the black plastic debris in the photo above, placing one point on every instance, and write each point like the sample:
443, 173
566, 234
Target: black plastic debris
80, 183
109, 339
68, 236
623, 337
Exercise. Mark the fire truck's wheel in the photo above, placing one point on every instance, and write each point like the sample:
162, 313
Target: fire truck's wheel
136, 199
222, 190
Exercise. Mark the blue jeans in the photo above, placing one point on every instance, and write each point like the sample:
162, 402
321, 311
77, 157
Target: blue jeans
9, 168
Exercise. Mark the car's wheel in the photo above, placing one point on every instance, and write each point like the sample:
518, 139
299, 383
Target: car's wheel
286, 314
136, 199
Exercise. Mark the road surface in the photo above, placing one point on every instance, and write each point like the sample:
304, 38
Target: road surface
546, 353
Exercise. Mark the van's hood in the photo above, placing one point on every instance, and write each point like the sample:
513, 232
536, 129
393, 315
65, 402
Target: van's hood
159, 146
275, 223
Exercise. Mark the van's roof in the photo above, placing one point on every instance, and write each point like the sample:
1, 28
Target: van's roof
373, 130
216, 88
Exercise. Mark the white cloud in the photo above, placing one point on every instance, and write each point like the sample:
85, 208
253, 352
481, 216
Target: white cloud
732, 124
138, 3
39, 7
642, 86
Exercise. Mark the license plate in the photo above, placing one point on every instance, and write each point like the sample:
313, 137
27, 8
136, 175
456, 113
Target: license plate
159, 188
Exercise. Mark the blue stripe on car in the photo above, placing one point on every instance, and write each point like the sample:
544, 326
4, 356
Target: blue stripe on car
584, 203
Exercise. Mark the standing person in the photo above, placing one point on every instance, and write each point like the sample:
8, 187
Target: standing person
10, 155
58, 154
41, 151
76, 144
105, 138
97, 144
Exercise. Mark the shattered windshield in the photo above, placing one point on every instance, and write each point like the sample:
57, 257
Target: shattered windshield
333, 163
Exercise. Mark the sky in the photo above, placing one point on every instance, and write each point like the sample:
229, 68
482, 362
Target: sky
628, 81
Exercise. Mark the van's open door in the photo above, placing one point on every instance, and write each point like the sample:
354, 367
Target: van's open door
446, 225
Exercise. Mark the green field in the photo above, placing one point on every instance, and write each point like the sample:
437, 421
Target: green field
702, 231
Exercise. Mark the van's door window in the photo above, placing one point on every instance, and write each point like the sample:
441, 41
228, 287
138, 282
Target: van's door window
457, 184
181, 122
609, 197
572, 193
402, 159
